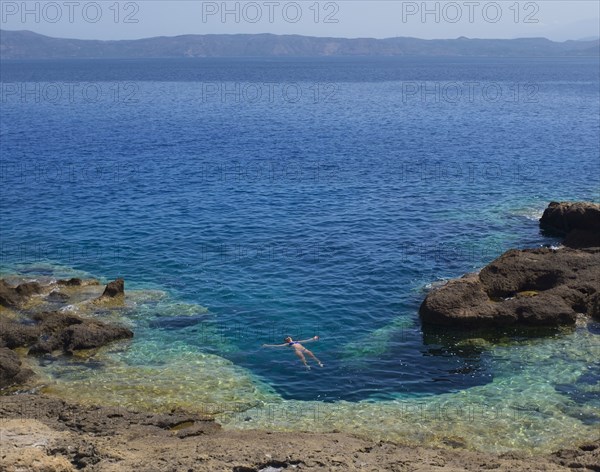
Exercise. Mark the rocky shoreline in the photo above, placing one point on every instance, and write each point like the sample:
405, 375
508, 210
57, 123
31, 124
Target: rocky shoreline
530, 287
42, 434
28, 325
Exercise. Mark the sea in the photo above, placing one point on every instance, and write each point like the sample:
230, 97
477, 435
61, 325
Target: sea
247, 199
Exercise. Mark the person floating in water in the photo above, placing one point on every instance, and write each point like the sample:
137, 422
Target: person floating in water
299, 349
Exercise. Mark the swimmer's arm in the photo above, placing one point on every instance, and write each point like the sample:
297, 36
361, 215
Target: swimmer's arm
314, 338
274, 345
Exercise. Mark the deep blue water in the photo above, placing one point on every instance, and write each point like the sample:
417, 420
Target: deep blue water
326, 205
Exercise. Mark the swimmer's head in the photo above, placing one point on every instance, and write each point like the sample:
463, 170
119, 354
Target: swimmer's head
288, 339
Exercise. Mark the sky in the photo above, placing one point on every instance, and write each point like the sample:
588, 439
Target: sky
558, 20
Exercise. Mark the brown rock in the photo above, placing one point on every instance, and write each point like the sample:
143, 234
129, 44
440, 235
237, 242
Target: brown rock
27, 289
44, 346
114, 289
530, 287
53, 322
13, 296
594, 306
543, 310
14, 334
70, 332
70, 282
461, 301
538, 269
92, 334
562, 217
8, 296
579, 238
11, 370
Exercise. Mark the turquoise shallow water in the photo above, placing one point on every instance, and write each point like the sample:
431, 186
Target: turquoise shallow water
237, 222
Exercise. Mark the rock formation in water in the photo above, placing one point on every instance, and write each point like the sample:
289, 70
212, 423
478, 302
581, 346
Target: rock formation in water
543, 287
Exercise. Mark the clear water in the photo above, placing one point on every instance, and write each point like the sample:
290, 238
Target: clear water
237, 221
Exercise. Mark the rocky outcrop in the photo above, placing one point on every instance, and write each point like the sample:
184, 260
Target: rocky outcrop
540, 287
579, 222
14, 334
73, 282
12, 297
11, 369
19, 295
532, 287
67, 332
92, 334
77, 282
539, 270
116, 288
33, 326
113, 293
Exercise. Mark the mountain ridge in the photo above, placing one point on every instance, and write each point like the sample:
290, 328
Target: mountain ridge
24, 44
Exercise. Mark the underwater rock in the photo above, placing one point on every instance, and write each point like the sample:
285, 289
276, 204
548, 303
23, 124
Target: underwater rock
474, 343
178, 322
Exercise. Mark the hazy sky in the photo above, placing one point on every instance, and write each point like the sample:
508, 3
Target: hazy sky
556, 19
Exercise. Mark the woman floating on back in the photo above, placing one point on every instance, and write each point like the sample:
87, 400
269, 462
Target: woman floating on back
299, 349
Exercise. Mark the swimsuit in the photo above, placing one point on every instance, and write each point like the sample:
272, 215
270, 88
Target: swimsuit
292, 343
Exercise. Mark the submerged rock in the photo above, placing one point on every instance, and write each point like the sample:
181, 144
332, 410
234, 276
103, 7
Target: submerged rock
56, 296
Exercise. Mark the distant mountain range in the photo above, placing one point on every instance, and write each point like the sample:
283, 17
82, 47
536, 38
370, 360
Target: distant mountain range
29, 45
